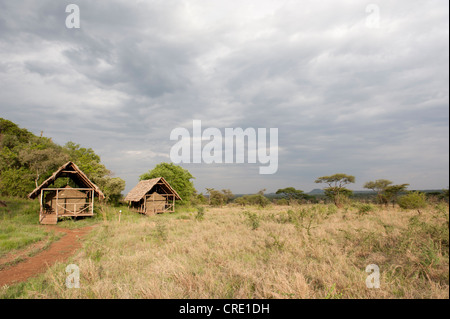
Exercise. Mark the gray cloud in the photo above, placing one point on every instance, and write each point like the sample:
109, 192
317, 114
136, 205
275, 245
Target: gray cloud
372, 102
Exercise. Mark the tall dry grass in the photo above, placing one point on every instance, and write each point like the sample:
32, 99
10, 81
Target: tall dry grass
313, 251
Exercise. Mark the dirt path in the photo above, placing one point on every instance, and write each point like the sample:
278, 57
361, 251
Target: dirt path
57, 252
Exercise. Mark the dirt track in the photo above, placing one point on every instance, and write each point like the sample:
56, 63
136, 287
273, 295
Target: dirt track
58, 251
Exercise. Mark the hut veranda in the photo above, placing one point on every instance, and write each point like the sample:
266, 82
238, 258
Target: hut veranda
65, 201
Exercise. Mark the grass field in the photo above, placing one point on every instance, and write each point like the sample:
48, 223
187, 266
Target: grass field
308, 251
19, 225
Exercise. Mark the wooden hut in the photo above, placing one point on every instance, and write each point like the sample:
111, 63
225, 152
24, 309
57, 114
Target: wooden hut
152, 196
66, 201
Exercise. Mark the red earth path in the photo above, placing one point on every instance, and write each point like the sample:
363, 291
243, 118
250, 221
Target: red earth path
58, 251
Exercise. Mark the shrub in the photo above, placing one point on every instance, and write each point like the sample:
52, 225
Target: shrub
281, 202
365, 208
414, 200
256, 199
161, 232
253, 219
200, 213
332, 209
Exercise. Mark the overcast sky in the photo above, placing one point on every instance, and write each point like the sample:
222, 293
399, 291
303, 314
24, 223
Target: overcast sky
352, 87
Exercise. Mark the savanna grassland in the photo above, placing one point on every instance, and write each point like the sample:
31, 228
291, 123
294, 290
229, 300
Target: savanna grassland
304, 251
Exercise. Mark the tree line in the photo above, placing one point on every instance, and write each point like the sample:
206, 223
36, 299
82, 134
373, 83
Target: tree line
26, 160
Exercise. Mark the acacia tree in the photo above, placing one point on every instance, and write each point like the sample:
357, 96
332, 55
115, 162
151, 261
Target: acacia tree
379, 186
291, 194
336, 186
215, 197
219, 198
392, 192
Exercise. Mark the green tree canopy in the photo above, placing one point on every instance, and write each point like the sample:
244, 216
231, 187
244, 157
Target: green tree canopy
178, 177
392, 191
27, 160
219, 198
379, 186
90, 164
413, 200
290, 193
336, 186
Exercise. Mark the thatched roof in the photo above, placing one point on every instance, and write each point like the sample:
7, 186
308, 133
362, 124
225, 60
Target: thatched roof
143, 187
71, 170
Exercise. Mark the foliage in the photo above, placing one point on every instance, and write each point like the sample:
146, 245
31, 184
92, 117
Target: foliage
219, 198
19, 225
27, 160
445, 195
198, 199
365, 208
255, 199
200, 213
391, 192
336, 187
112, 188
90, 164
252, 219
386, 192
16, 182
291, 194
379, 186
12, 134
178, 177
42, 160
281, 201
413, 200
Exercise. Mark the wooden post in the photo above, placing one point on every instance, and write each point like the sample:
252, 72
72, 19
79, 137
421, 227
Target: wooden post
92, 203
145, 205
41, 209
57, 194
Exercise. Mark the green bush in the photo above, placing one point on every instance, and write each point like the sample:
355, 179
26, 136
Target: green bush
332, 209
414, 200
200, 213
365, 208
256, 199
253, 219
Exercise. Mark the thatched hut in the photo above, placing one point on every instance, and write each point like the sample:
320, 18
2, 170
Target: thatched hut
66, 201
152, 196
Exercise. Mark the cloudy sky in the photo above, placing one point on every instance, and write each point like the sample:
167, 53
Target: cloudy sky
355, 87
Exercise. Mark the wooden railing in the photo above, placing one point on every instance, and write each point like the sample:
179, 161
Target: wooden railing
66, 208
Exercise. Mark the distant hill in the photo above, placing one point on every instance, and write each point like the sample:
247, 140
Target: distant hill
317, 191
